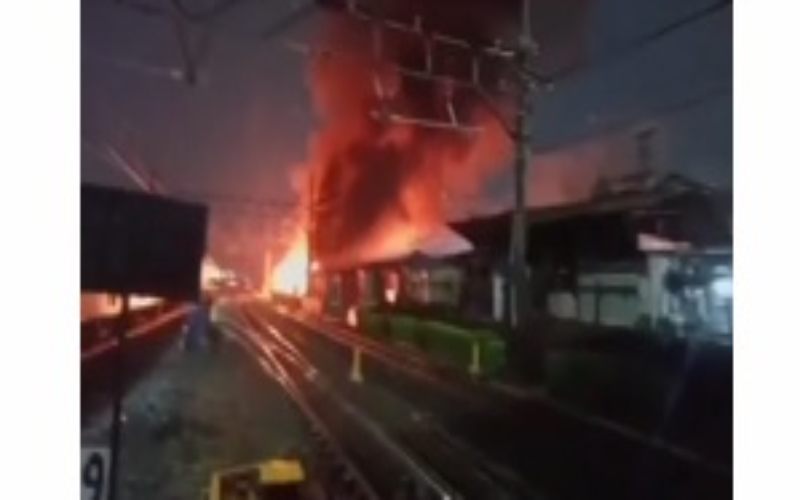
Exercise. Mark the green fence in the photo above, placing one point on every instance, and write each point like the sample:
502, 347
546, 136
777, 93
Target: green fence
443, 341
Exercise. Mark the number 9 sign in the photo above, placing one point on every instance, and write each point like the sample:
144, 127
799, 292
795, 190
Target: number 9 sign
94, 473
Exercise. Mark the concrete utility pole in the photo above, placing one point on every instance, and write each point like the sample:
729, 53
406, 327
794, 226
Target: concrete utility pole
520, 297
521, 55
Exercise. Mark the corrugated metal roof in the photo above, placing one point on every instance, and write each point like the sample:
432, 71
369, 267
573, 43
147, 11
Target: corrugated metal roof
641, 194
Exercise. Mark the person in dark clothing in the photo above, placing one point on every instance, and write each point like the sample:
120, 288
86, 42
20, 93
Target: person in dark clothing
198, 326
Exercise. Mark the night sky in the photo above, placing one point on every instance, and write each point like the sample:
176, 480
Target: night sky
248, 121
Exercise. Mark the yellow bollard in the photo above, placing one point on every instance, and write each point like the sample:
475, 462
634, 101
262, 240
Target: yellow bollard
356, 374
475, 363
281, 475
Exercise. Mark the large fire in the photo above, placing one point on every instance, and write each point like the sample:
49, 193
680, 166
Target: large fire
352, 317
290, 275
391, 287
381, 185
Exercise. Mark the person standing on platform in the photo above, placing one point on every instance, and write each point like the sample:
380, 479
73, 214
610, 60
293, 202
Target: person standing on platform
198, 326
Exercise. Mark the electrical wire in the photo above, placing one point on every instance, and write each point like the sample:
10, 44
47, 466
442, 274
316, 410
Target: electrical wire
653, 113
635, 44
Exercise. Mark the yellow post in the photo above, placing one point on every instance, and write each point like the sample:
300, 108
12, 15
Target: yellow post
270, 474
356, 374
475, 363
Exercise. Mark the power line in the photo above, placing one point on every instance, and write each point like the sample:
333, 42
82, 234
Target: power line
148, 181
114, 156
653, 113
215, 10
222, 7
209, 13
231, 199
637, 43
292, 18
183, 20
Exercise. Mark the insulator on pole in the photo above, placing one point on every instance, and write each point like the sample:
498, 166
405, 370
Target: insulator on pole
476, 70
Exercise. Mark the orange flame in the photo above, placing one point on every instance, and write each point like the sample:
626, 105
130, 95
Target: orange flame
377, 187
352, 317
290, 274
392, 288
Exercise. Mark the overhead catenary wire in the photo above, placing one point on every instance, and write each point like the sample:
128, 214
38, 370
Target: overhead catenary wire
261, 207
148, 182
184, 21
546, 80
642, 41
209, 13
219, 197
653, 113
221, 7
542, 80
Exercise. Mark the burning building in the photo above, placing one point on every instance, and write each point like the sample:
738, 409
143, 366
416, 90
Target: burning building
429, 273
376, 183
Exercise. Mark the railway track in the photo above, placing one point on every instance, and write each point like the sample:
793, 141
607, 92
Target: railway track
148, 337
413, 461
521, 436
104, 342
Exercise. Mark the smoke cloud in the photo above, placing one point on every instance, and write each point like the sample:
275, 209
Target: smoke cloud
378, 185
